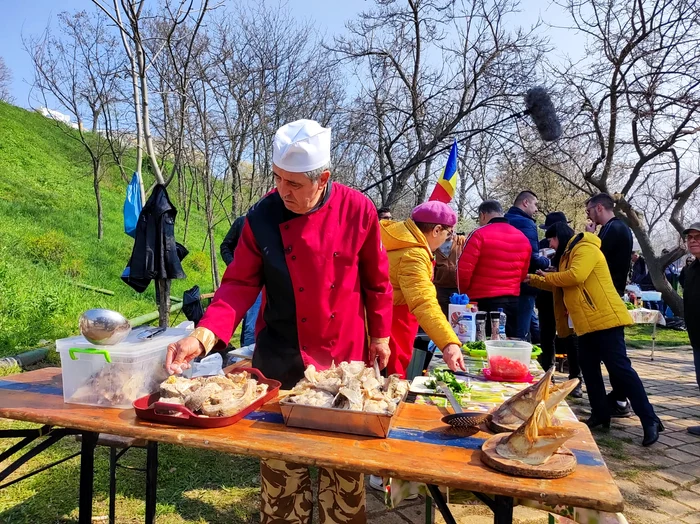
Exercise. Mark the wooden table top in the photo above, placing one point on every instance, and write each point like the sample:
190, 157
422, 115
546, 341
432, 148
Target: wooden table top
419, 447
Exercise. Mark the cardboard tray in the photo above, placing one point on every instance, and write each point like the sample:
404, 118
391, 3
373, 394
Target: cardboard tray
338, 420
150, 408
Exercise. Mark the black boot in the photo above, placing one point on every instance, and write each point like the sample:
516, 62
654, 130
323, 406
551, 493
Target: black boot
594, 421
651, 433
576, 392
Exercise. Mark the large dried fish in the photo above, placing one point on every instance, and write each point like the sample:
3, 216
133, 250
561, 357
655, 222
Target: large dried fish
521, 406
536, 440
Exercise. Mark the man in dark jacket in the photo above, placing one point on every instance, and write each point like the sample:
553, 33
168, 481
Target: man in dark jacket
615, 237
616, 245
520, 216
691, 301
228, 246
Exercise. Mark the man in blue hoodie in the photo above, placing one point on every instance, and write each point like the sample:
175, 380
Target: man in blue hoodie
521, 216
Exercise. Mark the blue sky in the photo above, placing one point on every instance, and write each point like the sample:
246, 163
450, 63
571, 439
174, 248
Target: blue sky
31, 18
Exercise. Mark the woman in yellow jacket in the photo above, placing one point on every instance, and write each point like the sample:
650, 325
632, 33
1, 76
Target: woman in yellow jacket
585, 300
410, 246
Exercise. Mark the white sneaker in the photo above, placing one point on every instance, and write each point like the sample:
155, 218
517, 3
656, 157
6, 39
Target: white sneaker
376, 482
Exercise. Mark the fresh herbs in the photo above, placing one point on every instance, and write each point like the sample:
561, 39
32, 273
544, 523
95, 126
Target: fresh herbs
456, 386
479, 345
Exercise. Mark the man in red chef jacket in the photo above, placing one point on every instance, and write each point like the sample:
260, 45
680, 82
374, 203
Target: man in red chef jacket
314, 246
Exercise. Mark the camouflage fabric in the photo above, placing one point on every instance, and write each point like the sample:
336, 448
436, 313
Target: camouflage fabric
287, 497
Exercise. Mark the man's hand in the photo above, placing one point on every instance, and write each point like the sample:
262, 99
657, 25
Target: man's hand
527, 279
591, 227
379, 348
541, 273
181, 353
452, 355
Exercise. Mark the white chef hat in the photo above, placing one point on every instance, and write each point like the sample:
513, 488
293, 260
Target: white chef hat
301, 146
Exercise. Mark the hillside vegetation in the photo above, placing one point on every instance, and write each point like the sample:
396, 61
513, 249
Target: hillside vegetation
48, 236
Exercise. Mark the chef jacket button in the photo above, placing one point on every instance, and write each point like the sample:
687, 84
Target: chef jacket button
286, 227
294, 257
288, 249
335, 254
332, 286
332, 315
304, 348
301, 289
303, 320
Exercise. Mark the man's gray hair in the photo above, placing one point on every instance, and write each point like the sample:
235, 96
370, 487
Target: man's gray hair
315, 174
489, 207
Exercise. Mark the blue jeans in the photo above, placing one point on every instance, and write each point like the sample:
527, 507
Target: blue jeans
609, 347
526, 306
248, 327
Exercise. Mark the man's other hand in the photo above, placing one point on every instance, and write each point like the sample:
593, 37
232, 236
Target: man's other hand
181, 353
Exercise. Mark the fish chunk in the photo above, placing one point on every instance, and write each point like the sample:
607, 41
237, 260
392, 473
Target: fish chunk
536, 440
195, 401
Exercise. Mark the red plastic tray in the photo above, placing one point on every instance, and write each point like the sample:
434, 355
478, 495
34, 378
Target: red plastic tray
487, 373
150, 408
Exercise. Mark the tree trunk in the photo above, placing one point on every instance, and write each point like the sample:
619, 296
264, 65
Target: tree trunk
98, 198
212, 255
163, 302
654, 264
146, 115
423, 188
657, 272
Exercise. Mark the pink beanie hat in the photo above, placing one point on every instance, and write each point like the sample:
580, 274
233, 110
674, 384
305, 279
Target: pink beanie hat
434, 212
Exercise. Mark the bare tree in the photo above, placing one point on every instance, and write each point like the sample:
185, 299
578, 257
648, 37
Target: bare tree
482, 69
5, 82
634, 112
80, 69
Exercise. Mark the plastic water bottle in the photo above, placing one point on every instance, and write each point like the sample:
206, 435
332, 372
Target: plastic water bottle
501, 324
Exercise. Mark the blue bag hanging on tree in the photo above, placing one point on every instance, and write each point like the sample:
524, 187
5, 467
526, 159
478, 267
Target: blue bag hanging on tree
132, 205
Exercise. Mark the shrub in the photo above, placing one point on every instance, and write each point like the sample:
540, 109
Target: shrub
198, 261
73, 267
51, 247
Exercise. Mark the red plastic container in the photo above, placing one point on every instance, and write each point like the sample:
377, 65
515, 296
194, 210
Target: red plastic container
150, 408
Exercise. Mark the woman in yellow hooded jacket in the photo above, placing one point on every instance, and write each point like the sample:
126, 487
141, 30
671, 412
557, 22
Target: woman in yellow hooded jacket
410, 246
585, 301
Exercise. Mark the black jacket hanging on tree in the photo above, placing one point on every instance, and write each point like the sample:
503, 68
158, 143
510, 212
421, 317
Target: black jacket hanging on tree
156, 254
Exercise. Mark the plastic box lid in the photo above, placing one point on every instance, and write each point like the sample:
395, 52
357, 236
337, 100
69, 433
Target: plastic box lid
131, 346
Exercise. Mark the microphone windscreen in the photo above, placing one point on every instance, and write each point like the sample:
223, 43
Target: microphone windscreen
539, 106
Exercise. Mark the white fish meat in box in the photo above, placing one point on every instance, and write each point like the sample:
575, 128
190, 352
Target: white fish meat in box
114, 376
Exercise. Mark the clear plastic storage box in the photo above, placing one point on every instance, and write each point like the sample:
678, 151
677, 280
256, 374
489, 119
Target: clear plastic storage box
114, 376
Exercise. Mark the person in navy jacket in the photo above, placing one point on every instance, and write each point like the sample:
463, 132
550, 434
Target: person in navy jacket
520, 216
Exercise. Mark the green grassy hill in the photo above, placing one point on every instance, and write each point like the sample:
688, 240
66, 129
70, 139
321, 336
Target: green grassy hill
48, 236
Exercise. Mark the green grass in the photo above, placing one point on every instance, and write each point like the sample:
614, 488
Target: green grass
48, 236
194, 486
639, 337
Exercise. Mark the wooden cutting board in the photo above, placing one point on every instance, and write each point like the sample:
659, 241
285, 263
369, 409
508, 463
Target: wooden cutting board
559, 465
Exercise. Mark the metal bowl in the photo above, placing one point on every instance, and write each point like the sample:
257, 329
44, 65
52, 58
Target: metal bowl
104, 327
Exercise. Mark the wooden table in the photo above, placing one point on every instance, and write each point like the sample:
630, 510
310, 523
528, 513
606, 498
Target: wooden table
419, 448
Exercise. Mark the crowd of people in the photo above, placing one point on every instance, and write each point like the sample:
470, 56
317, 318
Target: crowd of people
324, 277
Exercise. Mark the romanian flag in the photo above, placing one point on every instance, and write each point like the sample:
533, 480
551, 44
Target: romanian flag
445, 188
